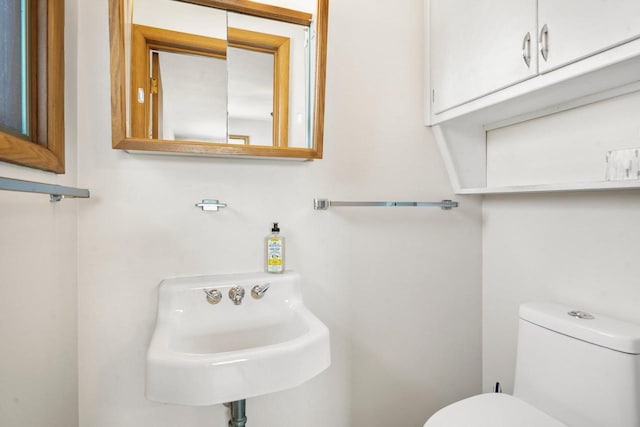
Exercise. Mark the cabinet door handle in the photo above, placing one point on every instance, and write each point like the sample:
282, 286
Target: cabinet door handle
526, 49
544, 42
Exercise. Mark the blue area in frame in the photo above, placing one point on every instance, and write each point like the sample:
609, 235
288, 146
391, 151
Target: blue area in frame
24, 17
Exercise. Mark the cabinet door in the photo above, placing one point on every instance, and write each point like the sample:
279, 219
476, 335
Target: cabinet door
478, 47
580, 28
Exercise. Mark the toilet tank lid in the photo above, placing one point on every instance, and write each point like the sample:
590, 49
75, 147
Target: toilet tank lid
600, 330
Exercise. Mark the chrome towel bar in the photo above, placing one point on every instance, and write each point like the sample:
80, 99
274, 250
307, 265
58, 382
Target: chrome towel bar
56, 192
324, 204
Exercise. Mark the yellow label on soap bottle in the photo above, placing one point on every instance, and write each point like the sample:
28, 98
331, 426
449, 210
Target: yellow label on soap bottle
274, 255
274, 251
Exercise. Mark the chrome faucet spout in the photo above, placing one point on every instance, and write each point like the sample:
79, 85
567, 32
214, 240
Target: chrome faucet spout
236, 294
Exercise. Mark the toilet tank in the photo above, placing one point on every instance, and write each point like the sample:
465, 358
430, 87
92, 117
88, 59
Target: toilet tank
582, 371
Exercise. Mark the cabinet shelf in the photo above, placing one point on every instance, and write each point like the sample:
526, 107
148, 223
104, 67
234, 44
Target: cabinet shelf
551, 188
461, 132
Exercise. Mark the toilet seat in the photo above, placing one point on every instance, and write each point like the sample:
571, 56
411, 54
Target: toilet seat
492, 410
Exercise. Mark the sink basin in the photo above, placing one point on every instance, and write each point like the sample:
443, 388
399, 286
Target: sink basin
206, 354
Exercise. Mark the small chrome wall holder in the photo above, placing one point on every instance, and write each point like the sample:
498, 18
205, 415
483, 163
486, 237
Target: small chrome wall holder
211, 205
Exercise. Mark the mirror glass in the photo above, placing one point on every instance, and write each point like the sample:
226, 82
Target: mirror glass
280, 79
188, 97
204, 75
250, 103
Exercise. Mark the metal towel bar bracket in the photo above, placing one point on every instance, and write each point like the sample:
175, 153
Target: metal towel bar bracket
324, 204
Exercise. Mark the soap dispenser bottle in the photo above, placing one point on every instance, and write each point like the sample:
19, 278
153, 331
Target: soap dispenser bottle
274, 251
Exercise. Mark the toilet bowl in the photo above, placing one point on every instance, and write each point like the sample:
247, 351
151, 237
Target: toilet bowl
492, 410
573, 369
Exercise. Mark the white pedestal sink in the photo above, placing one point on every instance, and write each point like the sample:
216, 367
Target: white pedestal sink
206, 354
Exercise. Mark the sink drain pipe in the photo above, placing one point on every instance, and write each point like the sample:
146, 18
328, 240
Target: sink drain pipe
238, 413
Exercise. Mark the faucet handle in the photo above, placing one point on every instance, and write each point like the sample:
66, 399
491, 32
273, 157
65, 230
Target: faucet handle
236, 294
214, 296
258, 291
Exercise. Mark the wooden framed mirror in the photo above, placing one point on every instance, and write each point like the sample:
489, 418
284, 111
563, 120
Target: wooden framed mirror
262, 78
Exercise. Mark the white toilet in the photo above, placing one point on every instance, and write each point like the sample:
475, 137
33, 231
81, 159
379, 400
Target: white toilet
573, 369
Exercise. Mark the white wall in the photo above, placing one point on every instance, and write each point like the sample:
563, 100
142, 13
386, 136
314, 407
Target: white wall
398, 288
580, 249
566, 147
38, 285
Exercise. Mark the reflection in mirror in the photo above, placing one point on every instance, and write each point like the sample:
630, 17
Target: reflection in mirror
269, 55
239, 139
251, 100
189, 97
178, 79
248, 84
292, 76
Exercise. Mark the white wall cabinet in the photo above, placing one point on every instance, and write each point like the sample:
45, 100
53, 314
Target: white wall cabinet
480, 47
477, 80
576, 29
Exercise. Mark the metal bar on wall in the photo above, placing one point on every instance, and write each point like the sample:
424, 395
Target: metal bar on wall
56, 192
324, 204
